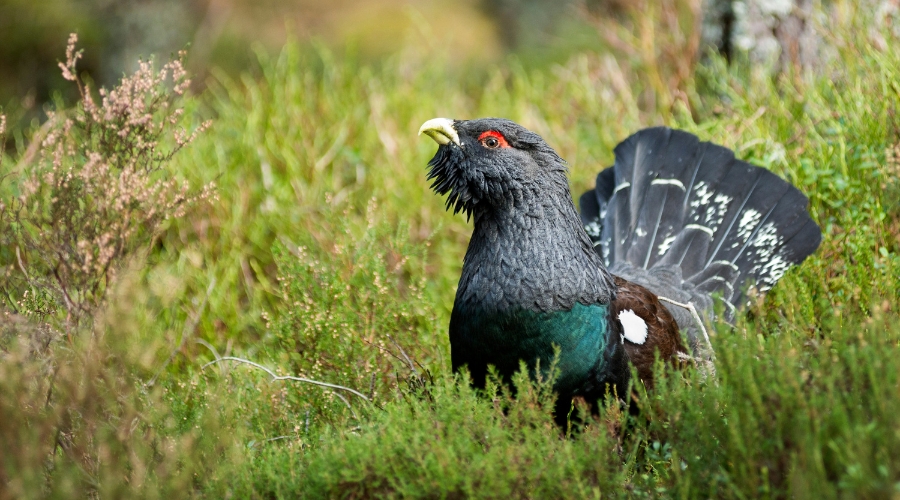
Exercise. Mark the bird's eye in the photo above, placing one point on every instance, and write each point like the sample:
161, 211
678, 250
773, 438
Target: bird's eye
493, 140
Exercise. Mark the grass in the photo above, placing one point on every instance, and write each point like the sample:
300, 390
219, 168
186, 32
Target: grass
325, 255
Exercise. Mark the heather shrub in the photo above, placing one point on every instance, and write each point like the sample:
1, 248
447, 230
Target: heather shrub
79, 422
788, 417
356, 312
444, 440
92, 188
89, 195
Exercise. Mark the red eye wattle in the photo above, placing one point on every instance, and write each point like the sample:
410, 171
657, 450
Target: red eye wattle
493, 140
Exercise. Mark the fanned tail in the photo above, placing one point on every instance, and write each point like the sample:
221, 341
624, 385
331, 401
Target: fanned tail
675, 209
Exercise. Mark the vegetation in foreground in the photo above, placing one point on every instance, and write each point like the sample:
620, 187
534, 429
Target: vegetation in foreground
324, 255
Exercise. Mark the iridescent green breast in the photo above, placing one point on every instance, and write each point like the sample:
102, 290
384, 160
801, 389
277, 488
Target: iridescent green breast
480, 338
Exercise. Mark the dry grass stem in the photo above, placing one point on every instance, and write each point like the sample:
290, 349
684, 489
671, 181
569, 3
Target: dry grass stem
690, 307
276, 377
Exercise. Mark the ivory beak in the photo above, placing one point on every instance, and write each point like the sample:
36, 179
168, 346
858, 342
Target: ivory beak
441, 130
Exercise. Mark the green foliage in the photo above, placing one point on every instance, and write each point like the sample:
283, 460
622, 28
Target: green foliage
788, 415
459, 444
448, 441
78, 421
356, 312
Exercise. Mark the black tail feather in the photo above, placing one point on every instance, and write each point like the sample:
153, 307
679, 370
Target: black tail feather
673, 201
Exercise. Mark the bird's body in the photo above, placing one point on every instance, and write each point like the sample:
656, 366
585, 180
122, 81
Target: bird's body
508, 309
534, 282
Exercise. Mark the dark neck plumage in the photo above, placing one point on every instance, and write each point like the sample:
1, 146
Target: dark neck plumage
532, 253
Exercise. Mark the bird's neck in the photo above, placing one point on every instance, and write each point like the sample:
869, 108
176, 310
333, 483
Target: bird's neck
532, 254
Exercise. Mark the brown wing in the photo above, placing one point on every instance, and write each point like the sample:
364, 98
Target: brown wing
662, 331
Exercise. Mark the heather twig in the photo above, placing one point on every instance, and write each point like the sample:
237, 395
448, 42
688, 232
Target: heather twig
409, 362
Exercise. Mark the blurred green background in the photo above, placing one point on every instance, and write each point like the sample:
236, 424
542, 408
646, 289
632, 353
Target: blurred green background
227, 34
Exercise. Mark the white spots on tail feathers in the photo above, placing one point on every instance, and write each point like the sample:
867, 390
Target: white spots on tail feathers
664, 246
714, 213
640, 232
719, 207
621, 187
770, 263
634, 329
766, 240
674, 182
704, 194
767, 246
708, 207
746, 225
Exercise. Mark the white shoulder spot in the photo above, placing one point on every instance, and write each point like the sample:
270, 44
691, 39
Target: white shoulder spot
634, 329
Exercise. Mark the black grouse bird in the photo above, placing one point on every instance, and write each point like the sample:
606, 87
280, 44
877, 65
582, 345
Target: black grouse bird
674, 217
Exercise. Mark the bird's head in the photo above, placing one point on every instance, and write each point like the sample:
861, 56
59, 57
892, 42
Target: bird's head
488, 163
